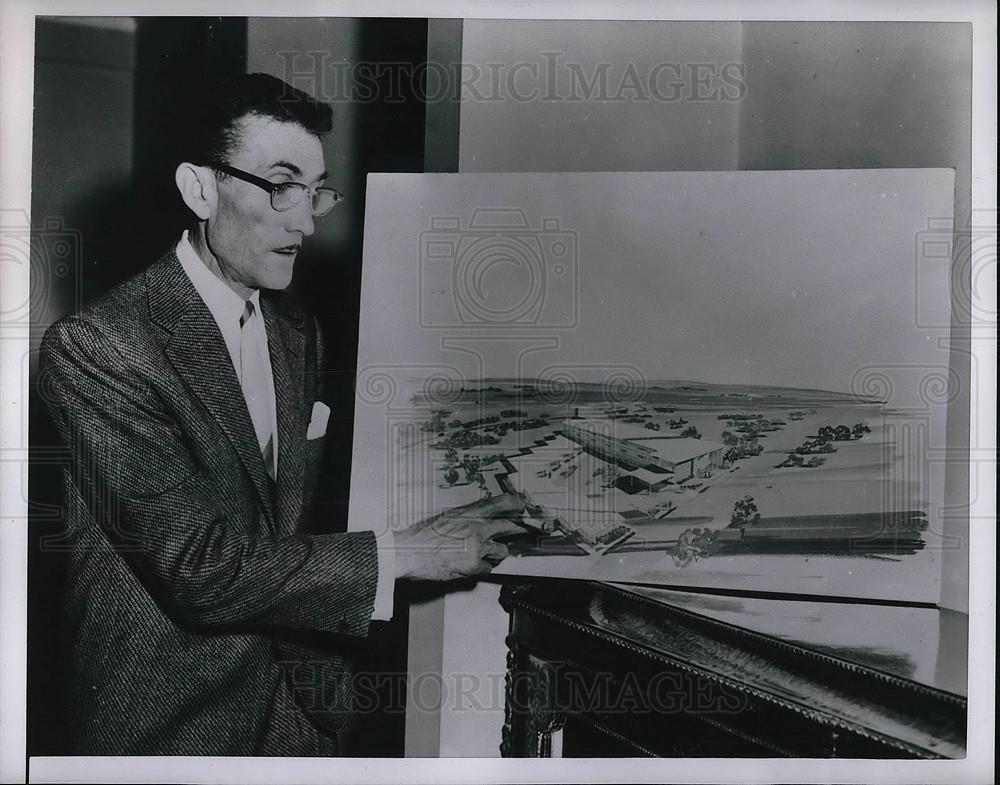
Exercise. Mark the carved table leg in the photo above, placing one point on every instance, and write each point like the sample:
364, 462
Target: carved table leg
530, 718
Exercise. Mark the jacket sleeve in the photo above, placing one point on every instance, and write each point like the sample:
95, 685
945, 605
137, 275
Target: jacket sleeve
162, 512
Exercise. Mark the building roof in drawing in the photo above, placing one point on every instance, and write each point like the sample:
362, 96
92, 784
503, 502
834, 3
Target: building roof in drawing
673, 449
678, 450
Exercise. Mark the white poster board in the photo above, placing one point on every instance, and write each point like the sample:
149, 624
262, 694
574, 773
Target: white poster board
735, 380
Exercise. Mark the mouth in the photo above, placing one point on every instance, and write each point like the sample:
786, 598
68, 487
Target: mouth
287, 250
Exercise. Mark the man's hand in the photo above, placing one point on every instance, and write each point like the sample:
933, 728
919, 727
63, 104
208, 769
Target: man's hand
458, 542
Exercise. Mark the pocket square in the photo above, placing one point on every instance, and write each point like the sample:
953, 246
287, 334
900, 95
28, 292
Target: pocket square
318, 420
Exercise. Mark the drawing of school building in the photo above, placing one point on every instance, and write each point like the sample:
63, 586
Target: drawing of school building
651, 458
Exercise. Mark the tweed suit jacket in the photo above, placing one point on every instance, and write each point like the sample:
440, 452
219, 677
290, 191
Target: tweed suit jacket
188, 571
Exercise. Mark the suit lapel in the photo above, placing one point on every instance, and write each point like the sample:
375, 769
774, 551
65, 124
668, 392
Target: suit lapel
198, 353
286, 345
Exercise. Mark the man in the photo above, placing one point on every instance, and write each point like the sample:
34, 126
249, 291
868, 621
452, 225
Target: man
188, 396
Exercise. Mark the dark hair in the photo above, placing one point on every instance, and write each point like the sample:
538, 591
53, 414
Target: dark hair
220, 107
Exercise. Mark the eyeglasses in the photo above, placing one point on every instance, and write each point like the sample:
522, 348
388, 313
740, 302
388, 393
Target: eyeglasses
285, 196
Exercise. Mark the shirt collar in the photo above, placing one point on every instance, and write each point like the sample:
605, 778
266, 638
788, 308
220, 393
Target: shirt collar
225, 305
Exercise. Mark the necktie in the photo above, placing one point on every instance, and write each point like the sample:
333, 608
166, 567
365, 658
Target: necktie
255, 384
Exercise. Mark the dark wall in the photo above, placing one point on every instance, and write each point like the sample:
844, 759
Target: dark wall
81, 177
82, 160
173, 58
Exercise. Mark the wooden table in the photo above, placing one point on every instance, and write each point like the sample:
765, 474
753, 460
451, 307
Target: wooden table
601, 670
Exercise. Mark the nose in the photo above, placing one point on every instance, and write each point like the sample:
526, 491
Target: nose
301, 219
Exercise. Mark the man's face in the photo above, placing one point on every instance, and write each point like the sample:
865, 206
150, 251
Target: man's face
256, 245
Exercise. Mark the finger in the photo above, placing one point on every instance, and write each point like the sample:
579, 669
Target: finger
500, 506
496, 527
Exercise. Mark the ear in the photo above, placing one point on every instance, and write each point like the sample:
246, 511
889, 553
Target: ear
197, 188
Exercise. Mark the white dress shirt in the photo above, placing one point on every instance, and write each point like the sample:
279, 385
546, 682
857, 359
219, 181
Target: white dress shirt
226, 307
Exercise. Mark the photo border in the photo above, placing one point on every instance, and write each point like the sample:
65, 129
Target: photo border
17, 66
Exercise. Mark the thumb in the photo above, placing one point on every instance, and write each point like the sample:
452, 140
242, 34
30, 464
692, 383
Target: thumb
501, 506
495, 552
499, 527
